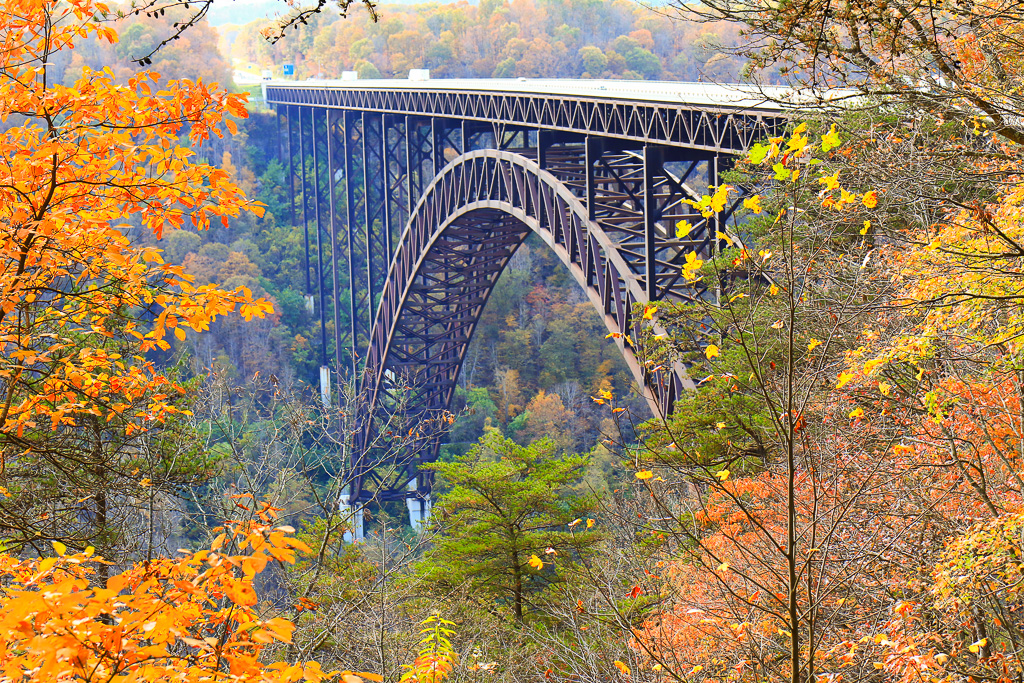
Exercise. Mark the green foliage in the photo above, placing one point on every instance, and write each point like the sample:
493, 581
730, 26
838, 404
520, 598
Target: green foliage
510, 509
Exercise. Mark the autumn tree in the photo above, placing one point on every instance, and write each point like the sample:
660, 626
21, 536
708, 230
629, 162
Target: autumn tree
750, 505
194, 618
509, 526
83, 307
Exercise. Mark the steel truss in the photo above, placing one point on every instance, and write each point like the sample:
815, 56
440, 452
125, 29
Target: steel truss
716, 129
422, 213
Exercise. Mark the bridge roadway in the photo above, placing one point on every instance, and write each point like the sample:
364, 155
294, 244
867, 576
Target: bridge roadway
414, 195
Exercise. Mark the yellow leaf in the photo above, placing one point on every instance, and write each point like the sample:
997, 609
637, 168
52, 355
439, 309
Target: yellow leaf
870, 199
724, 567
872, 364
179, 333
720, 197
884, 388
753, 203
830, 140
831, 182
590, 523
722, 475
59, 548
773, 290
867, 226
621, 667
857, 412
711, 351
814, 343
536, 562
843, 379
683, 229
649, 312
644, 474
976, 647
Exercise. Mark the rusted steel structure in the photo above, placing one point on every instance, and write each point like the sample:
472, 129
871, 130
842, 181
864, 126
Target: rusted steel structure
415, 195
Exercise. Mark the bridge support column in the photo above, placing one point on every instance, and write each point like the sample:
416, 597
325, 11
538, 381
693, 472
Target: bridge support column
352, 515
325, 386
419, 507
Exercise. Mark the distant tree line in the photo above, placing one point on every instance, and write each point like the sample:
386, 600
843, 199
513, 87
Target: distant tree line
501, 39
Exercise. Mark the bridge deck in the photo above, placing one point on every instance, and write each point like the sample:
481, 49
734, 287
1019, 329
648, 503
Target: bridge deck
704, 95
699, 116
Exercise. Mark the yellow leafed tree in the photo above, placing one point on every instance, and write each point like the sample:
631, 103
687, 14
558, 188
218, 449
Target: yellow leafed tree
83, 167
187, 619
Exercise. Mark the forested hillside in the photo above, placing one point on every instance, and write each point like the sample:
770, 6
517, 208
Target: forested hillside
502, 39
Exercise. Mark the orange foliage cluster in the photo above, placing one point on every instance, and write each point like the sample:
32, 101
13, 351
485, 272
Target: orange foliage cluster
188, 619
84, 168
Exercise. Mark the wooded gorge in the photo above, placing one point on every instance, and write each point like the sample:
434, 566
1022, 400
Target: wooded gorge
840, 499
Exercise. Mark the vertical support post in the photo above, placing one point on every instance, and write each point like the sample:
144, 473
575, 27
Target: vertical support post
715, 224
277, 120
419, 506
408, 164
319, 239
592, 153
325, 386
305, 207
543, 142
386, 163
716, 221
436, 147
352, 514
371, 293
652, 167
291, 167
349, 230
332, 121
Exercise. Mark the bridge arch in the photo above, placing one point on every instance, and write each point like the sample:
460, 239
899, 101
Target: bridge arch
466, 226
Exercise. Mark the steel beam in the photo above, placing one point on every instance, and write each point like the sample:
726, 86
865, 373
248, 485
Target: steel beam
318, 141
305, 201
722, 129
332, 165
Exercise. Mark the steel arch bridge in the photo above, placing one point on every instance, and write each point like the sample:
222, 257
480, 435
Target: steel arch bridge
414, 195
